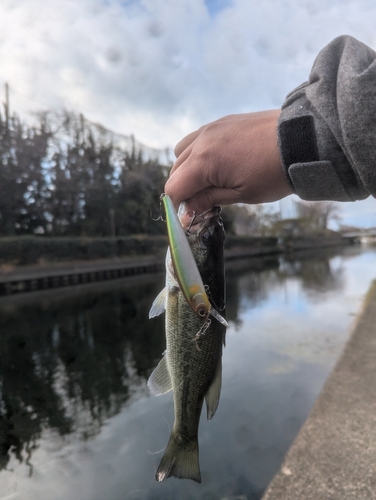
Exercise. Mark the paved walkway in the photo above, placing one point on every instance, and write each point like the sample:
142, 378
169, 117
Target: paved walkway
334, 455
40, 277
66, 268
33, 278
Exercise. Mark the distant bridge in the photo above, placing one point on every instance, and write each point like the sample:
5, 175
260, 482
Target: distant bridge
361, 235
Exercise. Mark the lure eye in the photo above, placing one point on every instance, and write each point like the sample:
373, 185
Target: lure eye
201, 312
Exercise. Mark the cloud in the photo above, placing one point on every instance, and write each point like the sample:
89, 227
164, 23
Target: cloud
158, 68
161, 68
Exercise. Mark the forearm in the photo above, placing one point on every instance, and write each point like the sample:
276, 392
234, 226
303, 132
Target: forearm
327, 127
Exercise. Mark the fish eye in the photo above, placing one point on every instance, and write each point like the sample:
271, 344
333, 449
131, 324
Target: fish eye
206, 236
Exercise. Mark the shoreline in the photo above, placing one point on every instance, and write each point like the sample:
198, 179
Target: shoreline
333, 455
43, 276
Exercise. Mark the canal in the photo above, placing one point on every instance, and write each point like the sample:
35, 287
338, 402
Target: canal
76, 418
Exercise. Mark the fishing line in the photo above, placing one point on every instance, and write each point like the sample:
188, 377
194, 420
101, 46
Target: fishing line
168, 424
156, 452
137, 491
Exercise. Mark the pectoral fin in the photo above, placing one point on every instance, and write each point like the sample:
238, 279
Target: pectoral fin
214, 392
160, 381
159, 305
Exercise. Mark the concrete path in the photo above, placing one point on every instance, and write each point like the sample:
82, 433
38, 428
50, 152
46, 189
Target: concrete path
41, 277
34, 278
19, 273
334, 455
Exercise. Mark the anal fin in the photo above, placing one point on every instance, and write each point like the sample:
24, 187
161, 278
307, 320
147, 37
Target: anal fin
214, 392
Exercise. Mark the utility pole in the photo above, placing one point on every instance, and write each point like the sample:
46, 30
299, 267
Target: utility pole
112, 223
6, 106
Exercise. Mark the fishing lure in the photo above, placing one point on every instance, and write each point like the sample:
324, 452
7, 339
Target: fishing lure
186, 271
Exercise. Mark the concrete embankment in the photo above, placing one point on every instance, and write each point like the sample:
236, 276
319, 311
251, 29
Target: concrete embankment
33, 278
334, 454
36, 277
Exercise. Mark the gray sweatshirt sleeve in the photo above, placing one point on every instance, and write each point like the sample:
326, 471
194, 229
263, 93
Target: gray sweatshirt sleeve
327, 126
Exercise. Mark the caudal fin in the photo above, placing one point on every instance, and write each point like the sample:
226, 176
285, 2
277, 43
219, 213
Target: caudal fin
180, 460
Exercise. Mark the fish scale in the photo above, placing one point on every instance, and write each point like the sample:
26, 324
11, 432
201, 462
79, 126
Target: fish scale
189, 357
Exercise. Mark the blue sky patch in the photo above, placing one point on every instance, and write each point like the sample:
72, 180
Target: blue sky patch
215, 6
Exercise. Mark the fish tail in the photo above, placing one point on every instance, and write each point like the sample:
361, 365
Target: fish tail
180, 459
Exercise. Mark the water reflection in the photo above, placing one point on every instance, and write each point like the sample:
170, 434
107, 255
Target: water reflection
70, 364
254, 280
74, 365
316, 270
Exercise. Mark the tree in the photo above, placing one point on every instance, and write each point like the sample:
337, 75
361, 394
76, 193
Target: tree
65, 177
317, 214
140, 185
22, 181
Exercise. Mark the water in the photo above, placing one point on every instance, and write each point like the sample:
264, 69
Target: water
76, 419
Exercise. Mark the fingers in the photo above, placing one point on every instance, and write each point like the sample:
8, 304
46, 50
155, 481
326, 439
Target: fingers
211, 197
192, 184
184, 143
234, 159
182, 158
184, 182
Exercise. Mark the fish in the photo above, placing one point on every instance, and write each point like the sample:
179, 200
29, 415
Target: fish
192, 364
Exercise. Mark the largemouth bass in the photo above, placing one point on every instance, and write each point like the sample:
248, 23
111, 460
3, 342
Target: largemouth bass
192, 363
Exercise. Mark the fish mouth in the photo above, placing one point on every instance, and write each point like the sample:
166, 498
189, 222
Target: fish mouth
191, 221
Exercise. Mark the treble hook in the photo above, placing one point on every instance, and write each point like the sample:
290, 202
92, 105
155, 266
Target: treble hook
160, 215
193, 218
212, 301
202, 215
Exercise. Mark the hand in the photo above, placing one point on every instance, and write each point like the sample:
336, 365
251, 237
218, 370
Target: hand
232, 160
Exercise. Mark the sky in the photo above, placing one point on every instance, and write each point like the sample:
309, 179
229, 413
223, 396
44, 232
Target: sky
159, 69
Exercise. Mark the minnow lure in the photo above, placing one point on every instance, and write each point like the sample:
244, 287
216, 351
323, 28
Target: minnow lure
186, 271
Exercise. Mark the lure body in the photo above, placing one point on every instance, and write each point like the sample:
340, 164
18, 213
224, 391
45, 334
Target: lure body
185, 267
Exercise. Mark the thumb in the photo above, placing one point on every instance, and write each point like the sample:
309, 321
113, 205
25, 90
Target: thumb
212, 196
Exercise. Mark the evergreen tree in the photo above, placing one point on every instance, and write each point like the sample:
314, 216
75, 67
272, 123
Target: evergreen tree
65, 178
140, 186
22, 180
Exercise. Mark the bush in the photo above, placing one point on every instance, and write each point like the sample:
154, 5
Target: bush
250, 241
33, 249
